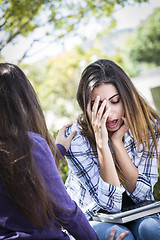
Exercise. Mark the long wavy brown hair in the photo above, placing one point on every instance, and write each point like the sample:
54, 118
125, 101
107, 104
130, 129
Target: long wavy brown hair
137, 111
21, 112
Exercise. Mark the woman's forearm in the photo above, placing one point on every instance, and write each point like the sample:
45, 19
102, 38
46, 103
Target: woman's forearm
128, 168
107, 167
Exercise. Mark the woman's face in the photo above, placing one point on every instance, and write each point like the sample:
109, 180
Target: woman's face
109, 92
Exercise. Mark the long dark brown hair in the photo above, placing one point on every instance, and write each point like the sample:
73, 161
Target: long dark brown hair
21, 112
137, 111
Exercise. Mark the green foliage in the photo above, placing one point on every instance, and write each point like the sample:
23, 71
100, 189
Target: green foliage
57, 17
146, 47
18, 18
56, 82
121, 57
63, 169
155, 94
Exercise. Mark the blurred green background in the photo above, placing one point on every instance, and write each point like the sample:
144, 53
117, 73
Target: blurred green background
84, 31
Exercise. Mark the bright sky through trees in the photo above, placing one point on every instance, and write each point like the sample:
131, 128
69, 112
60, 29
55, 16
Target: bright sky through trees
127, 17
131, 16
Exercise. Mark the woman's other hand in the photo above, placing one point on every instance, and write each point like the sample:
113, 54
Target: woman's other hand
118, 135
61, 139
121, 236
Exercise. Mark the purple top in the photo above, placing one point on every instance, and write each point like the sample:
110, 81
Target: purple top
14, 225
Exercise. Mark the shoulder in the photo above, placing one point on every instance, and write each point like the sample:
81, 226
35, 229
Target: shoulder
35, 137
41, 151
79, 139
75, 127
38, 143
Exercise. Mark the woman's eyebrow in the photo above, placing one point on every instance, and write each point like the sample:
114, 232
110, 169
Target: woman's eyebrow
113, 96
92, 101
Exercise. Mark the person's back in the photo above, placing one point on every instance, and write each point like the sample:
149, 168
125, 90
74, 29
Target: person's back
34, 203
13, 224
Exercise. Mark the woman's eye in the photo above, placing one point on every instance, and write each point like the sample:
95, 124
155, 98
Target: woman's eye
116, 101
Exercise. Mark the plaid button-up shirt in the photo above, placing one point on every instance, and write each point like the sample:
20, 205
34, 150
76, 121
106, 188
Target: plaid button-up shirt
87, 188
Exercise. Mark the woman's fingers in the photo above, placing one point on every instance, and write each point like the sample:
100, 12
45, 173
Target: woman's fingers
71, 135
67, 141
106, 114
61, 139
97, 110
101, 110
121, 236
89, 111
125, 122
96, 104
63, 129
111, 236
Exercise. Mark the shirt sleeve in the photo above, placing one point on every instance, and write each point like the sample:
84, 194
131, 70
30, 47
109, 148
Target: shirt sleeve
84, 163
148, 172
71, 217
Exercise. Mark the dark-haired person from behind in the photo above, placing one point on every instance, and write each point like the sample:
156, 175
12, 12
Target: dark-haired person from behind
34, 203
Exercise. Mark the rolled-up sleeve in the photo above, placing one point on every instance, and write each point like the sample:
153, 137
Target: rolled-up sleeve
110, 196
147, 171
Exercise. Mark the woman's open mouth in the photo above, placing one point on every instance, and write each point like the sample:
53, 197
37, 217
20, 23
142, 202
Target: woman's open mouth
112, 124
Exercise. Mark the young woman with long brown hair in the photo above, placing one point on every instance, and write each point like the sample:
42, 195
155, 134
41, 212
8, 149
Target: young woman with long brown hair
113, 159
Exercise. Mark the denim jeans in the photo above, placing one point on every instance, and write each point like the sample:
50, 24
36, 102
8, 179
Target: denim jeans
146, 228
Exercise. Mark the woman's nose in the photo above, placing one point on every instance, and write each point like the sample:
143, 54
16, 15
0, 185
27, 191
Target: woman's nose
110, 114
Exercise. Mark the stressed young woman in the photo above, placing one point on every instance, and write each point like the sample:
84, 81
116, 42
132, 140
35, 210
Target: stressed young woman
113, 158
